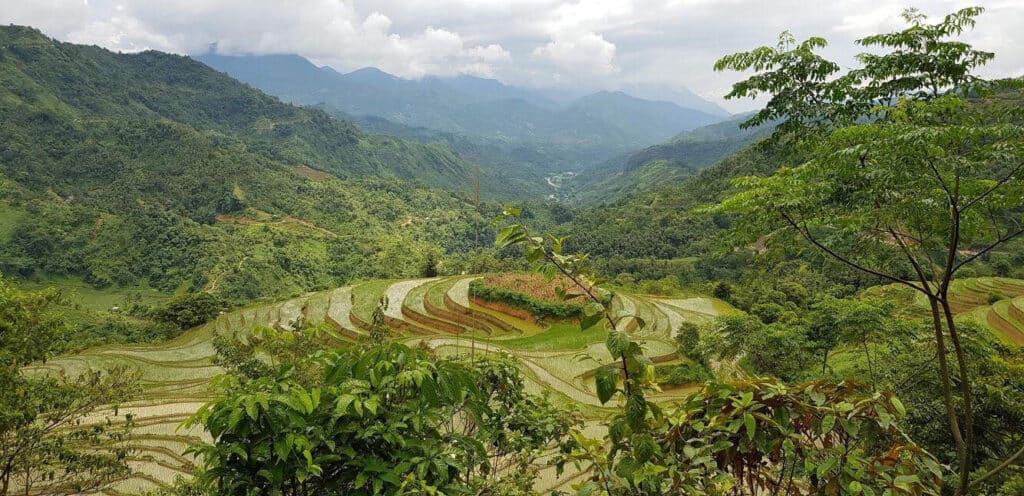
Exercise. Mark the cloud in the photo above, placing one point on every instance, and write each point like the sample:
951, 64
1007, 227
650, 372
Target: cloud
578, 54
582, 45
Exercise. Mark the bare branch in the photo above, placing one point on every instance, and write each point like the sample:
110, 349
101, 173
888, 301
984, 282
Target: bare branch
913, 261
807, 235
987, 249
994, 187
1006, 463
942, 182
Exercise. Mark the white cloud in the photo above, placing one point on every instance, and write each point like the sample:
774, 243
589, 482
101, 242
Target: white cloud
580, 44
578, 54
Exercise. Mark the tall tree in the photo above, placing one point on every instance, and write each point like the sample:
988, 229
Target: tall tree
904, 173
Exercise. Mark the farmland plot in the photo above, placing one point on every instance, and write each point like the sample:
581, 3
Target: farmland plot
555, 358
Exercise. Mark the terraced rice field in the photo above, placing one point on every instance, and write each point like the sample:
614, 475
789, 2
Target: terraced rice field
557, 359
996, 303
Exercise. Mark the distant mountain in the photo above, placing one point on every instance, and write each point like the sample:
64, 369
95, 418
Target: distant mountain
665, 163
654, 119
676, 94
609, 123
482, 90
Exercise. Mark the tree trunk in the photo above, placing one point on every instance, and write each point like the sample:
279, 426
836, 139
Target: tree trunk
965, 391
947, 393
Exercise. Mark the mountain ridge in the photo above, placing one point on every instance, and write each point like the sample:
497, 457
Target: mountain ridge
463, 104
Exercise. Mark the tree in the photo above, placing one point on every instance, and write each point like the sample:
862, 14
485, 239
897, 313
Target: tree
737, 438
430, 264
858, 321
910, 177
45, 448
379, 329
189, 310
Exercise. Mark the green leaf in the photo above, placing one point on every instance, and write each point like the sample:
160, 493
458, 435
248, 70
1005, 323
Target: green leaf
606, 379
854, 487
826, 466
617, 343
898, 405
750, 423
250, 408
906, 482
342, 403
827, 423
589, 321
636, 410
510, 235
371, 405
644, 447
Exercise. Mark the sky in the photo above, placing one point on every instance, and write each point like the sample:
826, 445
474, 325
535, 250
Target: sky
581, 45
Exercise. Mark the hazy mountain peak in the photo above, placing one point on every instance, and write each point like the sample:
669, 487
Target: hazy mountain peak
370, 74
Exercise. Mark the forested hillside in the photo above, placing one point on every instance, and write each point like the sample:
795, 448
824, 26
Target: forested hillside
666, 163
149, 167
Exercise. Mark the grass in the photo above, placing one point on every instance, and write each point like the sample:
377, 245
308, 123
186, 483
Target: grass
435, 292
84, 295
557, 337
367, 297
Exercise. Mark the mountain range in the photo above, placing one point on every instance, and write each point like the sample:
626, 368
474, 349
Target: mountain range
612, 122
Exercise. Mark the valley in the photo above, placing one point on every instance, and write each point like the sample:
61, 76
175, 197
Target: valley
254, 268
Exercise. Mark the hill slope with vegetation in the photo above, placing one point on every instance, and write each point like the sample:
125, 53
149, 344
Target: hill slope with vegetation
149, 167
664, 164
836, 309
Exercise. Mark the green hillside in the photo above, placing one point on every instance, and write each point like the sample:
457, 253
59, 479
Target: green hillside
445, 286
513, 132
667, 163
153, 167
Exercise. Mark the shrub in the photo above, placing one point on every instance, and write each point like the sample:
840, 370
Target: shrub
189, 310
530, 292
682, 374
722, 291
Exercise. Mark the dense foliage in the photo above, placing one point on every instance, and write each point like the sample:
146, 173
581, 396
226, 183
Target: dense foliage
45, 448
378, 419
908, 181
189, 180
740, 438
846, 366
